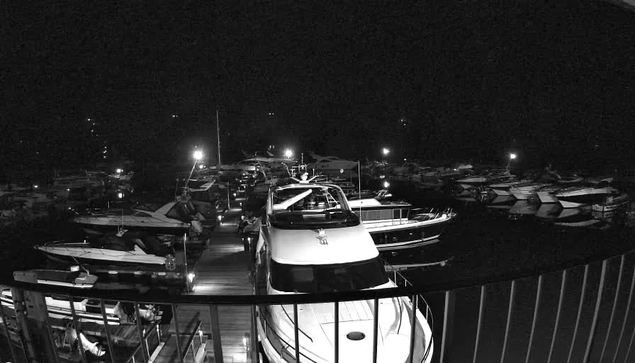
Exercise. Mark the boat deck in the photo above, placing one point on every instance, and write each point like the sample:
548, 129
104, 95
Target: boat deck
221, 269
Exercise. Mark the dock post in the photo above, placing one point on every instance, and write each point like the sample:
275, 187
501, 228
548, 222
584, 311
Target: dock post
216, 340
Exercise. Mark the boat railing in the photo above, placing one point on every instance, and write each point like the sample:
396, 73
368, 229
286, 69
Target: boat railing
418, 302
578, 311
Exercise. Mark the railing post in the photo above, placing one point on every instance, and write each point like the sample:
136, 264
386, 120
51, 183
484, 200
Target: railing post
142, 340
628, 308
557, 322
413, 328
617, 292
176, 332
535, 318
216, 339
336, 339
296, 332
580, 305
479, 324
77, 332
108, 337
587, 352
6, 331
254, 335
448, 323
510, 310
375, 328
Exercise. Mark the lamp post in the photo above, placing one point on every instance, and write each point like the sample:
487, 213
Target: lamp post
198, 154
288, 153
512, 156
385, 151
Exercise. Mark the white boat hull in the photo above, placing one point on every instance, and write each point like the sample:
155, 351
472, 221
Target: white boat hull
547, 197
501, 192
569, 204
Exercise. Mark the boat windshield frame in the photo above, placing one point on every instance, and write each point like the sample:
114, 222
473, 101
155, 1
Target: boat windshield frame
349, 276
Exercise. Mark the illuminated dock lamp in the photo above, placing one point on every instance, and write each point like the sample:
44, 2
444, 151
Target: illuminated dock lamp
119, 170
386, 184
198, 155
512, 156
385, 151
120, 195
288, 153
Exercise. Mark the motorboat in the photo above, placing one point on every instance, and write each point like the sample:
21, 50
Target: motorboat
127, 248
396, 225
312, 242
73, 277
525, 190
547, 194
575, 197
331, 164
173, 218
612, 203
501, 188
89, 310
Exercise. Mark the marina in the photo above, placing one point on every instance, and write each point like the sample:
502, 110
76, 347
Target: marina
439, 182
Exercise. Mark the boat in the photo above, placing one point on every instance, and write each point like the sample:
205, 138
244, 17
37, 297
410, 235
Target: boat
89, 310
69, 278
127, 248
332, 165
396, 225
612, 203
173, 218
312, 242
547, 194
525, 190
501, 189
575, 197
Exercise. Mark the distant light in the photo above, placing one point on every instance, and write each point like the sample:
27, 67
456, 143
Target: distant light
386, 184
119, 170
288, 153
404, 159
35, 186
120, 195
385, 151
512, 156
198, 154
201, 166
175, 115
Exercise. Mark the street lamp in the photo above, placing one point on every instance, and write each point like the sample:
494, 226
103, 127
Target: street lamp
512, 156
385, 151
288, 153
198, 155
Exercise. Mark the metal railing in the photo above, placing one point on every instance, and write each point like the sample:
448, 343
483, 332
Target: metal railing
579, 313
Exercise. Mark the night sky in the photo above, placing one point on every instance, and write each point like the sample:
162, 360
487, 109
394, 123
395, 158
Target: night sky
457, 80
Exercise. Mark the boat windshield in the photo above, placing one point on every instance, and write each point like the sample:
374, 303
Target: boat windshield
328, 278
318, 206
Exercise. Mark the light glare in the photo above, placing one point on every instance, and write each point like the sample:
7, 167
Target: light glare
198, 154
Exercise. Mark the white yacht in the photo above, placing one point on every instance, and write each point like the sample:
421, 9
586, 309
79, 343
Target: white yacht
312, 242
326, 164
396, 225
173, 218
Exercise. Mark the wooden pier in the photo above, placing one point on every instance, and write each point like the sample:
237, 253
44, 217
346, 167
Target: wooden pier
222, 269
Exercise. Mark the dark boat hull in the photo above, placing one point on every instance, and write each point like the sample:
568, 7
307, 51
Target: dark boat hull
410, 236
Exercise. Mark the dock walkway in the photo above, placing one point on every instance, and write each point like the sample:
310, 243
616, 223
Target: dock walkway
222, 269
